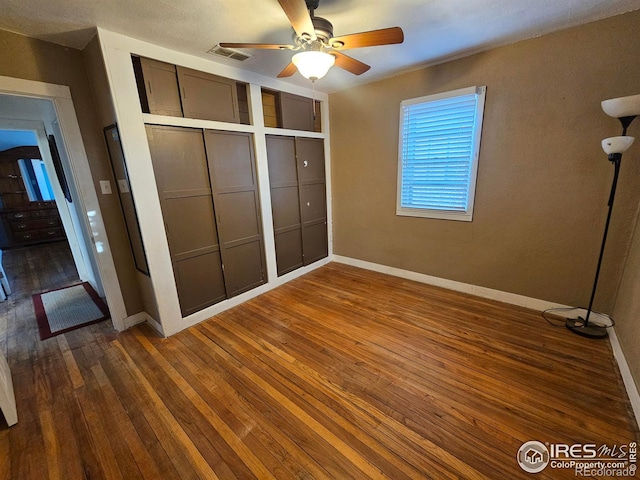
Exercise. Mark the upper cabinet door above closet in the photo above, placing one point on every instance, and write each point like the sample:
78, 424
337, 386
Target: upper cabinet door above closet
297, 112
208, 97
160, 92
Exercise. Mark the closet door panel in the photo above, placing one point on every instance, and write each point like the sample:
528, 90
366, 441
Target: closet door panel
281, 154
179, 160
310, 160
238, 215
208, 97
233, 179
198, 277
286, 208
315, 242
313, 202
180, 168
192, 224
243, 275
237, 172
289, 250
285, 202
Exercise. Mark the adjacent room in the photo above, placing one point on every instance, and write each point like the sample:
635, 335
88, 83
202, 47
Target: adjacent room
319, 239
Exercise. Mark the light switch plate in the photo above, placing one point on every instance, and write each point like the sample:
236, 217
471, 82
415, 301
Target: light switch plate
105, 186
123, 185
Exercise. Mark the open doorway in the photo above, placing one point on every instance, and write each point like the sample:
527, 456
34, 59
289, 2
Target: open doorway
80, 179
37, 203
30, 224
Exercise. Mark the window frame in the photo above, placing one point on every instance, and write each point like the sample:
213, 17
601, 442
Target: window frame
467, 215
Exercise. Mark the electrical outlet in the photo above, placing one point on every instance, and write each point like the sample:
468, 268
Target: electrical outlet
105, 186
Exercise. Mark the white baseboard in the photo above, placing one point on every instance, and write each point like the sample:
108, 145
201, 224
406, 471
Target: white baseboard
513, 299
625, 372
133, 320
142, 317
506, 297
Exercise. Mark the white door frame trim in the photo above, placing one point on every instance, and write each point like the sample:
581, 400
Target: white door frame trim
60, 95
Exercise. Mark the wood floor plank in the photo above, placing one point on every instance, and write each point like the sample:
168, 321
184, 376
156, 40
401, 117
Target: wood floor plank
51, 443
340, 451
342, 373
5, 451
171, 459
195, 457
247, 409
298, 380
231, 410
124, 435
240, 449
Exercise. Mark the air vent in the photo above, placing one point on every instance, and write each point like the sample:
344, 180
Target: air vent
228, 53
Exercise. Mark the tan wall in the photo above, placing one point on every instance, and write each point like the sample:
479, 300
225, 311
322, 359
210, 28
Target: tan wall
31, 59
626, 311
543, 179
118, 236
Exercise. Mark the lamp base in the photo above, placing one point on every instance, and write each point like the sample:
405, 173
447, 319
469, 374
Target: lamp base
577, 326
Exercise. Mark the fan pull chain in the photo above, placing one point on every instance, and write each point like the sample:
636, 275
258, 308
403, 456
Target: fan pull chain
313, 98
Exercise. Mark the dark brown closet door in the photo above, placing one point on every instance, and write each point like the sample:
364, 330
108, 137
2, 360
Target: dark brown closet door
296, 111
235, 192
208, 97
161, 86
182, 177
285, 202
313, 202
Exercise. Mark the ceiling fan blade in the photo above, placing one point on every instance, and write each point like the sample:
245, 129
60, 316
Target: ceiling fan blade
299, 17
288, 71
350, 64
385, 36
269, 46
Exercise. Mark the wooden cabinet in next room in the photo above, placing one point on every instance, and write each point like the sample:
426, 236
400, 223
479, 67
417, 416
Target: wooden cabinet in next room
298, 200
208, 196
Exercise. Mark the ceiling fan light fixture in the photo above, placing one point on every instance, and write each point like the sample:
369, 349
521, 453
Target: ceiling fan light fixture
313, 65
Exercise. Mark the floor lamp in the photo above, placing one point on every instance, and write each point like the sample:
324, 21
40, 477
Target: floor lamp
625, 109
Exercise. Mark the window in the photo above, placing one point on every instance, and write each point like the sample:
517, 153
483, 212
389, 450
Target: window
438, 154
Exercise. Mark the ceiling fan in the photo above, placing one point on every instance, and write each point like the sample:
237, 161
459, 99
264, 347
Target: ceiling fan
318, 49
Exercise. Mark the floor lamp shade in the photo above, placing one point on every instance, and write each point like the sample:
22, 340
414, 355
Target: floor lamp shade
614, 145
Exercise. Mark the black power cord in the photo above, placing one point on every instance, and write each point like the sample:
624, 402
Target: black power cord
570, 309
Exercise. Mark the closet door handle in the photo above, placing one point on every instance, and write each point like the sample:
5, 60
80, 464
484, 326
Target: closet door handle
305, 163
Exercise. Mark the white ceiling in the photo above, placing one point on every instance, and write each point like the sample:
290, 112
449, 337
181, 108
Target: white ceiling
435, 30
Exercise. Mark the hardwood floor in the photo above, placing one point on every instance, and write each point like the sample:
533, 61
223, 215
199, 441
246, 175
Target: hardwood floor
343, 373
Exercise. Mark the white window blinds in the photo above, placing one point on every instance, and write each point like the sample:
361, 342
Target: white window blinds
439, 144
